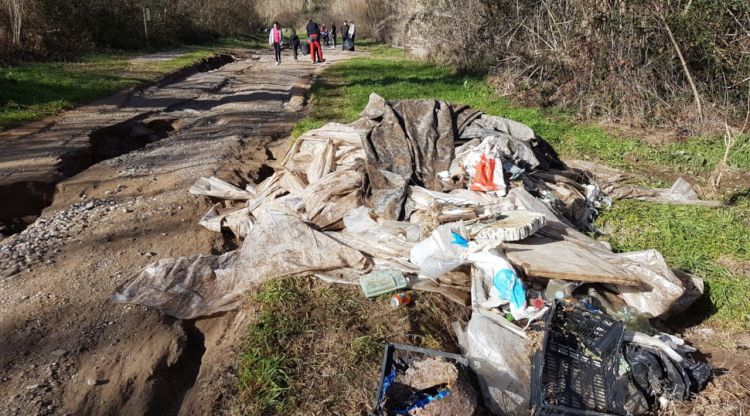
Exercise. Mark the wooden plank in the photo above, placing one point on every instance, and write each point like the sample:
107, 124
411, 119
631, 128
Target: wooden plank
547, 258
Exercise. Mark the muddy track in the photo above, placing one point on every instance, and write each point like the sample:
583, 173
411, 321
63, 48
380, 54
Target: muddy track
109, 183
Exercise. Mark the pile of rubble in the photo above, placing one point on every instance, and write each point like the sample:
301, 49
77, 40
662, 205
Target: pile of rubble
41, 241
425, 195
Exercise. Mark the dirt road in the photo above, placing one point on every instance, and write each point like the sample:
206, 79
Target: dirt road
120, 170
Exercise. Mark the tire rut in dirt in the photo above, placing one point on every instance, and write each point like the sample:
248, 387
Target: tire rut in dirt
32, 197
175, 381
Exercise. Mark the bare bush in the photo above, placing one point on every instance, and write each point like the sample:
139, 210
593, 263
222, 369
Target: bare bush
614, 59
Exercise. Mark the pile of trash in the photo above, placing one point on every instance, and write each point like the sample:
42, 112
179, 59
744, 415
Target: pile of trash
425, 195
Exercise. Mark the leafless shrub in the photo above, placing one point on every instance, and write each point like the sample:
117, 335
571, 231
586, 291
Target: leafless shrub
641, 62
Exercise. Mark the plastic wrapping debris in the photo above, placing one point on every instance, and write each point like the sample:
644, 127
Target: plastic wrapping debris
279, 245
331, 197
657, 375
659, 288
410, 143
185, 287
501, 362
238, 221
505, 284
484, 164
612, 183
218, 188
441, 252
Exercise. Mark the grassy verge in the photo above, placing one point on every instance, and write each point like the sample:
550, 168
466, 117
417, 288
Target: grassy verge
317, 348
711, 243
33, 91
701, 240
347, 85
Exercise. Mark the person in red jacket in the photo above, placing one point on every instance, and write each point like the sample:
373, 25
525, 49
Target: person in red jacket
313, 37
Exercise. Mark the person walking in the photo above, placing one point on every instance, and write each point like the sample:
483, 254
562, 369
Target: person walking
344, 35
333, 33
313, 38
295, 44
274, 38
324, 35
352, 33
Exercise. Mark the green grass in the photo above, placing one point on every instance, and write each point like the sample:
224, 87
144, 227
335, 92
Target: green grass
692, 238
316, 348
264, 370
696, 239
32, 91
345, 89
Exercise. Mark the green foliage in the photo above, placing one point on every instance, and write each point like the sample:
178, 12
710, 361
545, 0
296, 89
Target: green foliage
264, 369
695, 239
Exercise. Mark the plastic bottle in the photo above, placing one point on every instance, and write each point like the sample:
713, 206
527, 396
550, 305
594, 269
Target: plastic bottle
559, 289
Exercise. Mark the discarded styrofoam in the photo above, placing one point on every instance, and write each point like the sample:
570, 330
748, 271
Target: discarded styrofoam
512, 226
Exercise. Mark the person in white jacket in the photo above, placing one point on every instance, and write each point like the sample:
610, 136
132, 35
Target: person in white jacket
275, 37
352, 32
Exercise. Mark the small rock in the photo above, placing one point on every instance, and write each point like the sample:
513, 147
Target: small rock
89, 206
91, 382
149, 254
58, 352
32, 386
128, 209
706, 331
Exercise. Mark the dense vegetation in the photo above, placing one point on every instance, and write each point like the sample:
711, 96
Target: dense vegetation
34, 29
681, 63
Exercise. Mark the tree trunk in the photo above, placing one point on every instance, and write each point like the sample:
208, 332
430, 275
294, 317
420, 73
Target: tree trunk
16, 10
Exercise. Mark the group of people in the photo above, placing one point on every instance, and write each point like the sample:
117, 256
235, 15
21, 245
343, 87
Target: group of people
315, 35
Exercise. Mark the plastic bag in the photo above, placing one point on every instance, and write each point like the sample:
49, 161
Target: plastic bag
442, 251
505, 285
486, 174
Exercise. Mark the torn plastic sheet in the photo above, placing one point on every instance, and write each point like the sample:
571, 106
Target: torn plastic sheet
239, 221
611, 181
330, 198
217, 188
279, 245
660, 287
501, 362
185, 287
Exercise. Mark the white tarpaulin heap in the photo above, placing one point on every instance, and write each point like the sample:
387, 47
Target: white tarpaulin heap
350, 198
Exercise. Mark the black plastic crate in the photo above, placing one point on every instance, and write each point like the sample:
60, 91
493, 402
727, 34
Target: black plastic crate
577, 369
401, 356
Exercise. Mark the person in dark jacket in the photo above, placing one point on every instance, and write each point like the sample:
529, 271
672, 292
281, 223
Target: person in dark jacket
295, 44
333, 34
313, 38
344, 34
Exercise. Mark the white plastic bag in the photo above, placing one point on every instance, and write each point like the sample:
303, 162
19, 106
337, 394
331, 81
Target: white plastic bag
442, 251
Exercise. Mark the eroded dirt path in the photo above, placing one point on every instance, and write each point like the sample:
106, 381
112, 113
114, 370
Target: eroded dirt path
120, 171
